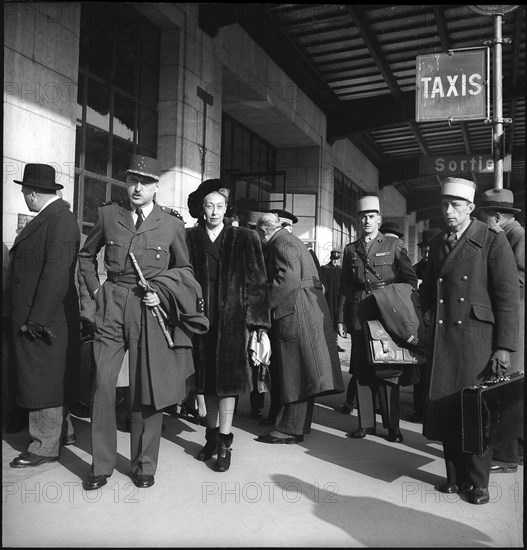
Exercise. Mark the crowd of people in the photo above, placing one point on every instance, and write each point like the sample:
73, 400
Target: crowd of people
241, 310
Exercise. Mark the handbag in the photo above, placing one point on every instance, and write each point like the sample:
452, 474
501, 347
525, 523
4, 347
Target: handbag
492, 412
382, 349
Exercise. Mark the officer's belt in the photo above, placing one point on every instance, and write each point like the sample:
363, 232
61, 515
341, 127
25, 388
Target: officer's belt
368, 287
124, 279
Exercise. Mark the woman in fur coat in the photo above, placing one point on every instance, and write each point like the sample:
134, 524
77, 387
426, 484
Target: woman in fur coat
229, 265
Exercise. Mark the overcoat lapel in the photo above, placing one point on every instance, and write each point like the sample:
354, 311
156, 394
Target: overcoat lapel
470, 243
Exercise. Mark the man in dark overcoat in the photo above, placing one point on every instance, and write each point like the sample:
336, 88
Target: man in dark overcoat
371, 263
44, 312
469, 296
124, 321
303, 341
496, 209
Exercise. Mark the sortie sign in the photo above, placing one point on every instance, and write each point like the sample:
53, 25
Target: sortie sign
452, 86
451, 165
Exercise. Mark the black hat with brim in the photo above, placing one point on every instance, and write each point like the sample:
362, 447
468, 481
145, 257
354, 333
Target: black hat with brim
195, 199
40, 176
284, 215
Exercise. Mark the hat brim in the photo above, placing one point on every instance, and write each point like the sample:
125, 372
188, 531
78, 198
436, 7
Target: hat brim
508, 209
153, 177
37, 185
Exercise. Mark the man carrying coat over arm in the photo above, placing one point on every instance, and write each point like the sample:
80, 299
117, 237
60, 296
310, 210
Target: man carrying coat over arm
303, 341
124, 320
44, 311
469, 298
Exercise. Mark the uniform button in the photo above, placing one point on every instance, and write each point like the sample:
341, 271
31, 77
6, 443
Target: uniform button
440, 322
464, 277
158, 256
159, 248
17, 279
440, 300
459, 322
440, 280
111, 242
461, 300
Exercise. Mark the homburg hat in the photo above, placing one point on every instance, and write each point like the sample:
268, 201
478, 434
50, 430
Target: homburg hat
391, 227
144, 166
40, 176
335, 255
500, 200
369, 203
286, 218
459, 187
195, 199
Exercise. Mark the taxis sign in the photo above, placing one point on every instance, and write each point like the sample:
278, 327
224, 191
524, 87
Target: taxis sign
453, 86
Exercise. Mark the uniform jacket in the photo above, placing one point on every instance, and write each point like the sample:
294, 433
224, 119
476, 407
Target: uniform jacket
473, 293
42, 272
160, 249
388, 257
304, 342
242, 304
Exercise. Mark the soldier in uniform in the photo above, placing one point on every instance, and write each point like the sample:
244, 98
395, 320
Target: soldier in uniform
123, 320
370, 263
469, 298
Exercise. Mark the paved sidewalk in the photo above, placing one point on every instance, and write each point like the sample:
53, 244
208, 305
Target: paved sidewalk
329, 491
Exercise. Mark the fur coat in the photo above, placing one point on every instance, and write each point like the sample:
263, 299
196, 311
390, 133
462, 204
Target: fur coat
242, 304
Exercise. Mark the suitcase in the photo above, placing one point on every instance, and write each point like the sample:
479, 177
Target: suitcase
491, 413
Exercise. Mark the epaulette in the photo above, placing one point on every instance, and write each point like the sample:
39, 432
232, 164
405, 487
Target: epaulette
172, 211
497, 229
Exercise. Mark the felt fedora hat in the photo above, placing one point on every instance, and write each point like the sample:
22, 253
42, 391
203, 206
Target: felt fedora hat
195, 199
501, 200
391, 227
40, 176
144, 166
369, 203
459, 187
286, 218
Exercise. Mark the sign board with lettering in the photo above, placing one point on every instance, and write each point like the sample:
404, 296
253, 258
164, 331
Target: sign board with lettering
451, 165
452, 86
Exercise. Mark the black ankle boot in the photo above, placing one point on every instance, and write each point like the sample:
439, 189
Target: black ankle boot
224, 452
211, 447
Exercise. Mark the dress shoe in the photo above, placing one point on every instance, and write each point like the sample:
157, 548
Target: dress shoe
288, 440
28, 460
479, 495
68, 440
361, 433
447, 487
395, 436
94, 482
143, 481
505, 468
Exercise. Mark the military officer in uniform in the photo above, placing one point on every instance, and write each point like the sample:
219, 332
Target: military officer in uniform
123, 320
372, 262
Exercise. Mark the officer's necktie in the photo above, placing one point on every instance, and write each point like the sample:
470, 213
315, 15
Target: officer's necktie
451, 241
140, 218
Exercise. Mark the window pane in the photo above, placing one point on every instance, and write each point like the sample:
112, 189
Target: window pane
123, 121
118, 193
94, 196
122, 149
126, 53
96, 158
78, 145
98, 105
147, 132
96, 44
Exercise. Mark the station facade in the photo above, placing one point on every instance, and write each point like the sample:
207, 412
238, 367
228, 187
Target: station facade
87, 84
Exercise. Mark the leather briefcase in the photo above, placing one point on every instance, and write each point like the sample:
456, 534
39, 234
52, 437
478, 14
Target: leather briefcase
382, 349
492, 412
